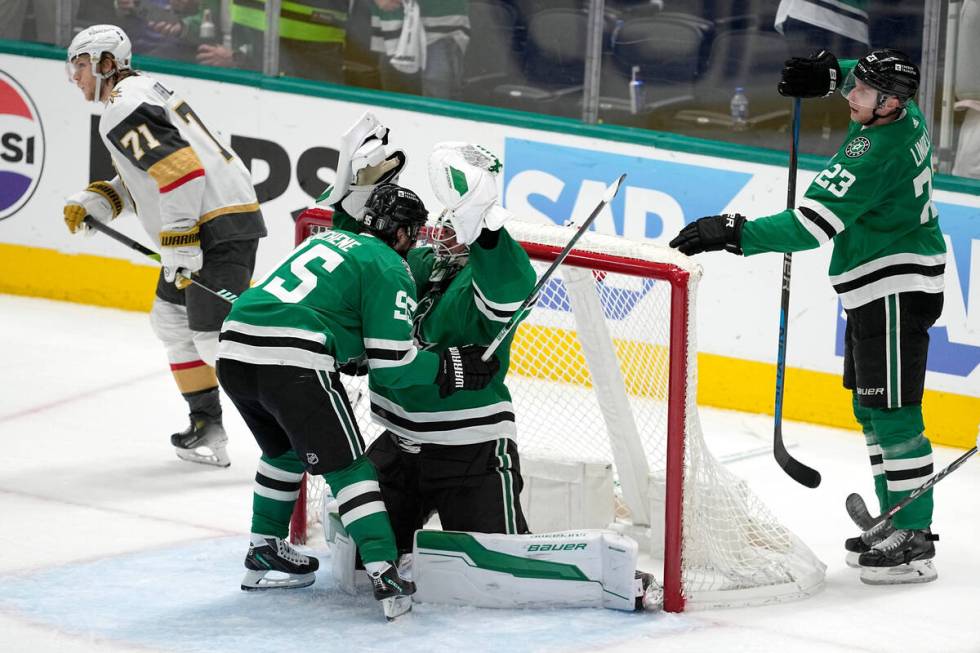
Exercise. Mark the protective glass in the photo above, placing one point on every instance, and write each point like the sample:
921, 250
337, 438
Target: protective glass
858, 93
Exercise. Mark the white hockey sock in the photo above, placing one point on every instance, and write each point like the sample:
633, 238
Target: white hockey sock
258, 540
375, 568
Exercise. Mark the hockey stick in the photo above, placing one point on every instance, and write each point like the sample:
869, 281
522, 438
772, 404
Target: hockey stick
528, 303
858, 510
797, 471
92, 223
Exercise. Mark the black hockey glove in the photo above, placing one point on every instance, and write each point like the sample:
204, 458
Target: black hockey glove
462, 369
815, 76
711, 234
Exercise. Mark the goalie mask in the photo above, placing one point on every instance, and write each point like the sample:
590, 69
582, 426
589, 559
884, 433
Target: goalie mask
391, 207
442, 238
97, 41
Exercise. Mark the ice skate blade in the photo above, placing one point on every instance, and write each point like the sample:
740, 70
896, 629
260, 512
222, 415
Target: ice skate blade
256, 580
218, 456
917, 571
396, 606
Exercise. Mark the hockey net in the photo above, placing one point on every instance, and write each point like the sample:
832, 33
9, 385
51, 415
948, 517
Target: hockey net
604, 371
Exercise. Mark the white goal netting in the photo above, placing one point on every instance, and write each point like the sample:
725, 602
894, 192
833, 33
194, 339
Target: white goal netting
604, 370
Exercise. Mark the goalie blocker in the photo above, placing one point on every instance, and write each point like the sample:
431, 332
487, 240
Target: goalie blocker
571, 569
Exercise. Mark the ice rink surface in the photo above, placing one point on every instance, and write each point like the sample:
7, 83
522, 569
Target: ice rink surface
112, 544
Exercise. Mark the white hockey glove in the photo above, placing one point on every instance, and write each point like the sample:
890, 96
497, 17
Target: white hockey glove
363, 164
101, 200
463, 177
180, 254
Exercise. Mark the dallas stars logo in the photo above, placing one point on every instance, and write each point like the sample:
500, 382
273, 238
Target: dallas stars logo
857, 147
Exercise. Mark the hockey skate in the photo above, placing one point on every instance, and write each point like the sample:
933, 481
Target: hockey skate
649, 593
866, 541
203, 441
276, 555
903, 557
394, 592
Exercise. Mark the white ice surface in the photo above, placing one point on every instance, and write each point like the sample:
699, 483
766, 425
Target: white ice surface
111, 544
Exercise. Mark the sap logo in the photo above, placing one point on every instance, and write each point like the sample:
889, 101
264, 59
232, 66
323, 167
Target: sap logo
557, 183
21, 146
531, 548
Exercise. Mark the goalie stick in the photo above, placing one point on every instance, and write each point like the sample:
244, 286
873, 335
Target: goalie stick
532, 297
92, 223
797, 471
858, 510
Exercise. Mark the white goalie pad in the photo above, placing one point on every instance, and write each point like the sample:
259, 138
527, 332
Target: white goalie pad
343, 557
589, 568
560, 495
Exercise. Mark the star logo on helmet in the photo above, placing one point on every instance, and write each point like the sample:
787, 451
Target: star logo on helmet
857, 147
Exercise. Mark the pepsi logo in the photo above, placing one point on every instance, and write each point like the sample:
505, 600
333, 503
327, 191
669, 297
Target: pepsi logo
21, 146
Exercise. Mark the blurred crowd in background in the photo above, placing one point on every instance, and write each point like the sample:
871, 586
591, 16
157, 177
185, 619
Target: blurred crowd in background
703, 68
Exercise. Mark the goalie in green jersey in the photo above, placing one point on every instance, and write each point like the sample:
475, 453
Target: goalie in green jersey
874, 201
339, 297
457, 457
452, 455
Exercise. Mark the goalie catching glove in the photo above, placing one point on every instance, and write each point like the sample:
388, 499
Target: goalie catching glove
101, 199
363, 164
463, 177
461, 368
711, 234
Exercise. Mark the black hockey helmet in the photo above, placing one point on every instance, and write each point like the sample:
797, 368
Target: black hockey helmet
889, 72
391, 206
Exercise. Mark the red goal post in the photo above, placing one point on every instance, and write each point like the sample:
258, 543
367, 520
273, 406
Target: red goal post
604, 370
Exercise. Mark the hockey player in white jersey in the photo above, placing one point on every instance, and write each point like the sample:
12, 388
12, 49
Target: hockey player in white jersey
195, 200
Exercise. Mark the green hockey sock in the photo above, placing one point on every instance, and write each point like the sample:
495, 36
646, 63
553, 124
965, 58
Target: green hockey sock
863, 416
362, 510
277, 482
907, 459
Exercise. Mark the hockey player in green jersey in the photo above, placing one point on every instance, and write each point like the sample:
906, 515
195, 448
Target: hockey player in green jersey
457, 456
874, 200
337, 298
453, 455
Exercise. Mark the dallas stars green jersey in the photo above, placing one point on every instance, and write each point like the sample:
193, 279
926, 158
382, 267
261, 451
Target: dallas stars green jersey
874, 200
337, 297
471, 309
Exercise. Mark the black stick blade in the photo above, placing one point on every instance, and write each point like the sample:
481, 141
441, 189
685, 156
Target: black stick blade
857, 510
806, 476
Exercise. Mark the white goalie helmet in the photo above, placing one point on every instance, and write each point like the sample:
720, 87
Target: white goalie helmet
96, 41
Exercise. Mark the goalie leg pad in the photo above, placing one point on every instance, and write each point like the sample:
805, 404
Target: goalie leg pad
594, 568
